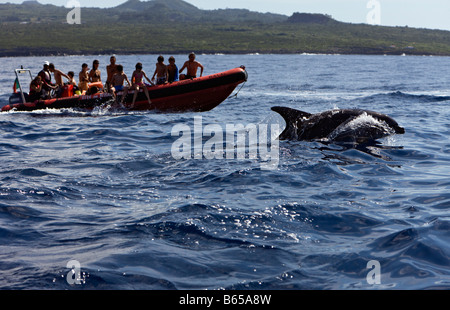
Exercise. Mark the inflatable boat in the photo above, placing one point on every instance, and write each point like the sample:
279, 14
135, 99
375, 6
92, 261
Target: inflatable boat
192, 95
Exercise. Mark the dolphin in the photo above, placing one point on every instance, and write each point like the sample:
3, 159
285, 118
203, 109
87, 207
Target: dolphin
338, 125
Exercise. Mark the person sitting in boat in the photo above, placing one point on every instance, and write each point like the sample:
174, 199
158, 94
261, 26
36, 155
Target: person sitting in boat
95, 74
117, 82
72, 81
138, 83
36, 89
172, 70
83, 84
58, 74
160, 72
93, 90
192, 67
46, 78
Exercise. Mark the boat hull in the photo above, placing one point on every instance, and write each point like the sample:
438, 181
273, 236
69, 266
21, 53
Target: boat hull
193, 95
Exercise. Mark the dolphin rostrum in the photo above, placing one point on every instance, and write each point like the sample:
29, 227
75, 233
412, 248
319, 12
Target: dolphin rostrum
341, 125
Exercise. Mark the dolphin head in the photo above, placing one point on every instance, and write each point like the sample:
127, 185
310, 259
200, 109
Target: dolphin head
399, 130
390, 121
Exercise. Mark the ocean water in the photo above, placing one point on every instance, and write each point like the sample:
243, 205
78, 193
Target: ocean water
103, 188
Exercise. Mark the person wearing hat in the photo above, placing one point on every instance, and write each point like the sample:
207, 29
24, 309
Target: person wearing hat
46, 79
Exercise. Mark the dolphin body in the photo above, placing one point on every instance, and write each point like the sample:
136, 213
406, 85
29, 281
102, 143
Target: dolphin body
339, 125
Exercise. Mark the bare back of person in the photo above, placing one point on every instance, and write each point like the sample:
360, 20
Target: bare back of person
161, 70
59, 77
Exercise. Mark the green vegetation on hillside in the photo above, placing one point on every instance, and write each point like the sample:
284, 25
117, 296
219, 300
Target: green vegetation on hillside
174, 26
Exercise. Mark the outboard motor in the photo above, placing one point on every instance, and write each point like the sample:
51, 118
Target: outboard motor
17, 98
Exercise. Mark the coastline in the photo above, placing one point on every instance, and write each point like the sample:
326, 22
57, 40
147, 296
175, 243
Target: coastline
179, 52
176, 27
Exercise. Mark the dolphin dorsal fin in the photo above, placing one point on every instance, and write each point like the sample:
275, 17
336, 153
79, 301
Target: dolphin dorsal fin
293, 119
291, 115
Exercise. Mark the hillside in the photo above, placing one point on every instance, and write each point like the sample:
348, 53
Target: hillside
132, 11
175, 26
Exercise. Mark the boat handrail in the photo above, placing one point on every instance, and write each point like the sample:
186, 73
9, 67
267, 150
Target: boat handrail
22, 71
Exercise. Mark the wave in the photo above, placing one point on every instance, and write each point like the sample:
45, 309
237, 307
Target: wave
398, 95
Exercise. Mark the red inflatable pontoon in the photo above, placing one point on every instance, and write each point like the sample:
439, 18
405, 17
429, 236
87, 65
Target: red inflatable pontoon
193, 95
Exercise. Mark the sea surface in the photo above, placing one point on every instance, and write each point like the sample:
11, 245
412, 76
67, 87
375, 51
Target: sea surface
101, 195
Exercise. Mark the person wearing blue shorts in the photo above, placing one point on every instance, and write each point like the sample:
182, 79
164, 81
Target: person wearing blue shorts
117, 82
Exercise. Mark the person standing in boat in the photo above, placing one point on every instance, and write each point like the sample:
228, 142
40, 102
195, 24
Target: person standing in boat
160, 72
83, 84
172, 70
192, 67
111, 70
46, 78
95, 74
58, 74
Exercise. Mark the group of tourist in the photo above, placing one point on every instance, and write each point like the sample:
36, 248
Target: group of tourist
41, 87
90, 81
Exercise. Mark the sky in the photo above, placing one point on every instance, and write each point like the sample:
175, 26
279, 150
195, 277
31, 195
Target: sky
432, 14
